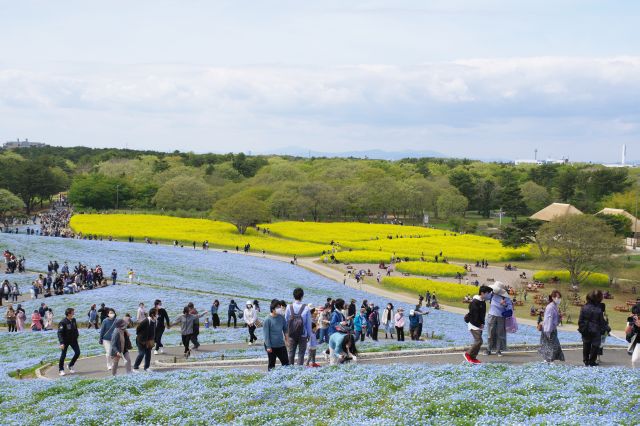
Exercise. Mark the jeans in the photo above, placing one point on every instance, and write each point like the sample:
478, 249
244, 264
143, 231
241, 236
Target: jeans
159, 332
143, 352
127, 363
301, 345
186, 338
252, 335
400, 333
477, 343
311, 359
279, 353
360, 335
63, 355
324, 335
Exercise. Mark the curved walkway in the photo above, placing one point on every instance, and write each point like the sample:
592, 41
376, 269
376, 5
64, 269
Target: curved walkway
95, 366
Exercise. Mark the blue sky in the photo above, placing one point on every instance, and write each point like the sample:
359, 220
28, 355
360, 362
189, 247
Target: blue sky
485, 79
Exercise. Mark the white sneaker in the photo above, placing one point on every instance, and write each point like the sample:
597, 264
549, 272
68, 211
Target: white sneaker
71, 370
135, 370
62, 373
148, 370
155, 352
250, 344
109, 367
161, 350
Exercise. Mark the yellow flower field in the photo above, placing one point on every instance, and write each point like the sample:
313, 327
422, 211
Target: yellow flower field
450, 292
364, 256
430, 268
166, 228
407, 241
595, 279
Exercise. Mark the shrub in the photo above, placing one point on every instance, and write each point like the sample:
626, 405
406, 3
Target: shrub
444, 290
595, 279
430, 268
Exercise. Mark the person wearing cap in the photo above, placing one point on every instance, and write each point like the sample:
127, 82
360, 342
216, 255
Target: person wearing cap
399, 322
500, 308
250, 316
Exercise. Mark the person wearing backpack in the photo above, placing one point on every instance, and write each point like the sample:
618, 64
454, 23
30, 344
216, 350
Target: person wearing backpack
298, 321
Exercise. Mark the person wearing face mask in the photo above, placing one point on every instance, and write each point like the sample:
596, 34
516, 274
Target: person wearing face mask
387, 321
275, 331
475, 322
68, 336
250, 316
120, 346
106, 331
145, 339
550, 349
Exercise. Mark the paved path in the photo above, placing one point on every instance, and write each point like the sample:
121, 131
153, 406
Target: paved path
95, 366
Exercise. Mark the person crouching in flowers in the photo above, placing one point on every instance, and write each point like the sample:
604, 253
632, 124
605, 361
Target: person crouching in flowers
120, 346
275, 330
549, 344
342, 346
475, 322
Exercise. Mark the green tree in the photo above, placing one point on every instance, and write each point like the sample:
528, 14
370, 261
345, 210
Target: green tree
522, 232
451, 204
35, 179
535, 197
243, 210
620, 224
10, 205
511, 200
99, 192
486, 196
581, 244
184, 193
462, 180
565, 183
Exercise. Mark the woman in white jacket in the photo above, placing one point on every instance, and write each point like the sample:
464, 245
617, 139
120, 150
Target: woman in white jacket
250, 316
387, 321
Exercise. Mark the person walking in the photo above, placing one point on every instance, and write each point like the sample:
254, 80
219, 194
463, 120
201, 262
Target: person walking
141, 314
475, 322
231, 313
591, 325
500, 308
387, 321
550, 348
145, 339
187, 321
298, 327
68, 336
274, 332
106, 331
120, 346
162, 322
399, 323
93, 317
215, 319
114, 277
196, 325
250, 317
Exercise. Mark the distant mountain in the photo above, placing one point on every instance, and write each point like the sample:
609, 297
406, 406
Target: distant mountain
376, 154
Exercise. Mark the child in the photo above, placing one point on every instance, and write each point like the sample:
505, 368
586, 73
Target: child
313, 346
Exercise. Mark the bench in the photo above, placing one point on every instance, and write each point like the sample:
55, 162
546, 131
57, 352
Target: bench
518, 303
490, 280
406, 274
621, 308
474, 275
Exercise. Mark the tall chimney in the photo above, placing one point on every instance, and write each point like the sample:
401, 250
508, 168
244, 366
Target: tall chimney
624, 153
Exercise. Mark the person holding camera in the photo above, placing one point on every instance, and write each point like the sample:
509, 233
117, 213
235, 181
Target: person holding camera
633, 336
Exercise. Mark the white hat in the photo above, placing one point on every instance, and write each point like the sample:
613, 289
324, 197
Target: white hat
249, 302
412, 312
499, 288
310, 306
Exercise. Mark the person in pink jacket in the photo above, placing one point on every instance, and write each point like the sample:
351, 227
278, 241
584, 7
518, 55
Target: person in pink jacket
20, 318
36, 321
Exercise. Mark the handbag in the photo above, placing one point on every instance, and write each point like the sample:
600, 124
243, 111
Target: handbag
149, 343
258, 323
507, 314
511, 324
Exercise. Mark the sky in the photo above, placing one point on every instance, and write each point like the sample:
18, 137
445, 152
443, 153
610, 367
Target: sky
478, 79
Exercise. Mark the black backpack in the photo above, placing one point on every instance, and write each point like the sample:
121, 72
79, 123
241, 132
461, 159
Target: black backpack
295, 325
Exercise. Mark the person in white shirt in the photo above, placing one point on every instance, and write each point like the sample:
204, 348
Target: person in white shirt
141, 314
250, 317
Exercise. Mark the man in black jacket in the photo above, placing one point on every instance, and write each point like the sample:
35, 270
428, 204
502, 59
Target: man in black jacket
475, 322
162, 319
68, 336
145, 338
